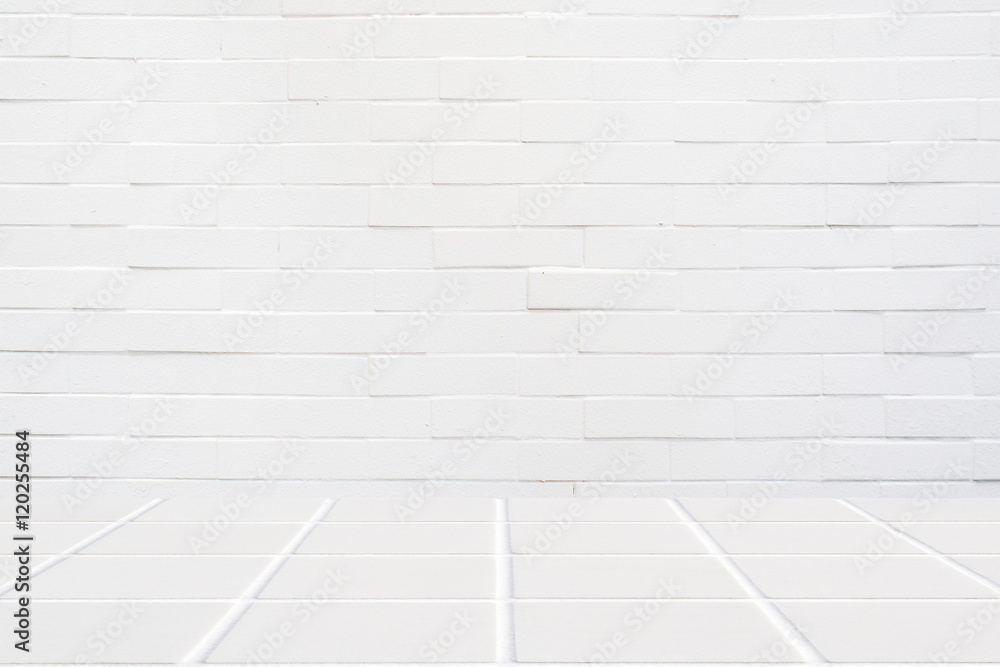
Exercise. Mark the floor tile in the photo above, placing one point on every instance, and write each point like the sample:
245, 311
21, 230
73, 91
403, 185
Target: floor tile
103, 510
196, 538
622, 577
988, 566
868, 576
741, 510
138, 631
591, 509
413, 509
150, 577
385, 577
643, 631
57, 537
234, 507
808, 538
401, 538
336, 632
932, 509
959, 538
899, 630
604, 538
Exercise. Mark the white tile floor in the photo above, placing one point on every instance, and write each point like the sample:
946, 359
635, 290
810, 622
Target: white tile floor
291, 580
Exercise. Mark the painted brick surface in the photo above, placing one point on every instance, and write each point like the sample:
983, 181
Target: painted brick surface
681, 247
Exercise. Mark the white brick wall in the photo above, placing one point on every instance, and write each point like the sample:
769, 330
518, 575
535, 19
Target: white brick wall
502, 243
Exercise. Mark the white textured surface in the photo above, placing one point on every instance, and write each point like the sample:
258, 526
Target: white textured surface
812, 594
738, 243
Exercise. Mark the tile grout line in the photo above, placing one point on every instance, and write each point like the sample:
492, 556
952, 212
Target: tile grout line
86, 542
201, 652
926, 548
506, 642
788, 629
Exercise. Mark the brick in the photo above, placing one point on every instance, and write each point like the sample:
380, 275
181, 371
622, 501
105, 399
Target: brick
729, 460
621, 79
747, 375
450, 290
508, 248
424, 375
588, 375
657, 248
573, 289
659, 417
810, 417
510, 417
894, 461
514, 79
202, 248
297, 206
356, 248
595, 205
877, 374
443, 206
439, 36
803, 80
468, 120
752, 205
104, 37
942, 417
654, 332
362, 80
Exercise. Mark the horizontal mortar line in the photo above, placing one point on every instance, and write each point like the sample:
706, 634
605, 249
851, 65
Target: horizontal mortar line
489, 600
482, 554
411, 554
83, 544
198, 521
